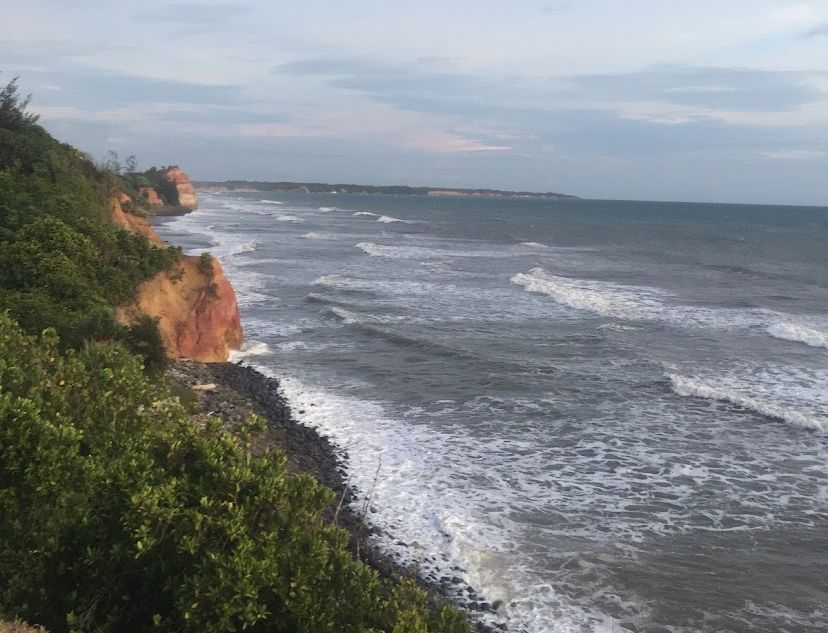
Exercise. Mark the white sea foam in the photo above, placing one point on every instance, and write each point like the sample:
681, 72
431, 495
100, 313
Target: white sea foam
270, 202
314, 236
327, 209
639, 303
790, 394
244, 247
533, 245
799, 333
375, 250
249, 348
366, 213
284, 217
402, 251
387, 219
348, 317
604, 298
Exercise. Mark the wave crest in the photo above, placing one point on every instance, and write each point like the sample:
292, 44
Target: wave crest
387, 219
720, 390
799, 334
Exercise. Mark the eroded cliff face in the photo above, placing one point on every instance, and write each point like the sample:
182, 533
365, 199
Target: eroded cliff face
186, 194
152, 196
193, 302
196, 308
133, 223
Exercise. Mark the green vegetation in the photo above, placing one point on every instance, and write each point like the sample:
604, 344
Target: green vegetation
117, 511
63, 264
120, 514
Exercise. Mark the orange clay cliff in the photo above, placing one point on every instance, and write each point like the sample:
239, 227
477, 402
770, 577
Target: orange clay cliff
193, 302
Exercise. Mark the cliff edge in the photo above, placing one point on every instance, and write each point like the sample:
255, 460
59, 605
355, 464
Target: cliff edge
193, 302
186, 195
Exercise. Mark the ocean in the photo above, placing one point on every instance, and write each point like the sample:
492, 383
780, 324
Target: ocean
603, 416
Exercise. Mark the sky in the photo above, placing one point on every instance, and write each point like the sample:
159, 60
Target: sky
700, 100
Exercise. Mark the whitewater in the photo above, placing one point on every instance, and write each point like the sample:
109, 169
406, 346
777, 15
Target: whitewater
602, 416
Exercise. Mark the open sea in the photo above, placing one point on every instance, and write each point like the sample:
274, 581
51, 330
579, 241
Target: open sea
603, 416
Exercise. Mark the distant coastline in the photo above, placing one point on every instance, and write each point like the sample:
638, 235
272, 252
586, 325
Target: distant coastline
250, 186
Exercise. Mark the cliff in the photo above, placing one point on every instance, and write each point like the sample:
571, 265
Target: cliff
151, 196
196, 309
186, 195
133, 223
193, 302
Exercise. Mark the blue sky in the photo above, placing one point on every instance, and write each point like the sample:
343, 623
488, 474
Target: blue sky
658, 99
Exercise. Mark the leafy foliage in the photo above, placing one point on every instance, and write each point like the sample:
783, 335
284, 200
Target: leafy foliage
13, 113
62, 261
120, 514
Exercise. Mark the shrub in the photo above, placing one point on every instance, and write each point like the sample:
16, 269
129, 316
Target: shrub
120, 514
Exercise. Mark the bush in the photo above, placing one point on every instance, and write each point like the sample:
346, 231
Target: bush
120, 514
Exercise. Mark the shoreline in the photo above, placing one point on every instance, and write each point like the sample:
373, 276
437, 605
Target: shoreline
232, 391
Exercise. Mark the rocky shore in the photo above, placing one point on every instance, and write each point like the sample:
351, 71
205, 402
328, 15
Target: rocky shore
233, 391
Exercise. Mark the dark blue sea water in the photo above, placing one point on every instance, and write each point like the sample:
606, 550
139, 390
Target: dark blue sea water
609, 416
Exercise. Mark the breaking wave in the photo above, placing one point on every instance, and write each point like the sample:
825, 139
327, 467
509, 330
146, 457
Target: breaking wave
250, 348
387, 219
366, 213
605, 298
348, 317
245, 247
271, 202
799, 334
759, 396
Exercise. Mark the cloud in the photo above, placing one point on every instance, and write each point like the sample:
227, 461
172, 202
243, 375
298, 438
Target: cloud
723, 88
192, 13
555, 7
820, 30
795, 154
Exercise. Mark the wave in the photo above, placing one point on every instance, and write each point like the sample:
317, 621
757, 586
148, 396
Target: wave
605, 298
245, 247
375, 250
271, 202
726, 390
387, 219
288, 218
618, 301
313, 236
348, 317
375, 215
533, 245
799, 334
250, 348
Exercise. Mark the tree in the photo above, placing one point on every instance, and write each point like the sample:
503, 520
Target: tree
13, 113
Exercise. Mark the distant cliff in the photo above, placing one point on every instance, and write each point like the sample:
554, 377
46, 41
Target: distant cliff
400, 190
161, 191
193, 302
185, 195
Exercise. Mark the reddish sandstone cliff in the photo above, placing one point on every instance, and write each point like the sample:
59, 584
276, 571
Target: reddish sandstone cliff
133, 223
193, 302
186, 194
196, 310
151, 196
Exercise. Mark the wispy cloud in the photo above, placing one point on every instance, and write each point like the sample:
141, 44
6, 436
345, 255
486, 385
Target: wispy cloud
820, 30
795, 154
